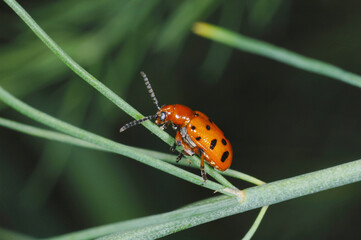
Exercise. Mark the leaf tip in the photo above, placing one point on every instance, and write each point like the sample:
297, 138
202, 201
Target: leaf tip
202, 29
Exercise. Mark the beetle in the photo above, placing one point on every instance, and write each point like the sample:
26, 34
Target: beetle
196, 133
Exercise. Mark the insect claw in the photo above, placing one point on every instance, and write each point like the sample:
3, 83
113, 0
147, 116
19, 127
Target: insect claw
189, 162
179, 157
204, 175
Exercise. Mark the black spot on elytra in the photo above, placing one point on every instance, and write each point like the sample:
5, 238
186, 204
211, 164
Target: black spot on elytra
193, 127
198, 138
196, 114
210, 120
224, 142
224, 156
213, 144
208, 127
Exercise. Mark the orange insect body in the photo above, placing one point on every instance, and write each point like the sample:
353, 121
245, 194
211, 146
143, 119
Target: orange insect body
195, 132
198, 135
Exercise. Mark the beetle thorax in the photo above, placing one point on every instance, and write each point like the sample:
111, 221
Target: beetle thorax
179, 115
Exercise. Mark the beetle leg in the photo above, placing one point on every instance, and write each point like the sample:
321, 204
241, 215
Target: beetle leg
180, 156
175, 145
177, 142
203, 173
186, 149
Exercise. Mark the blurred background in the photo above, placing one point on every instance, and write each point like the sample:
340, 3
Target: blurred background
281, 121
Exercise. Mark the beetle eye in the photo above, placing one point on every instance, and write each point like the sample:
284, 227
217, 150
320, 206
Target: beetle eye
162, 116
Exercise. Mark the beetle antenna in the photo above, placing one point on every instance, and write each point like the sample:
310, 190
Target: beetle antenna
136, 122
150, 89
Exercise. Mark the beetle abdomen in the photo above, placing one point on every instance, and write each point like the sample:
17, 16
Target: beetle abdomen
207, 136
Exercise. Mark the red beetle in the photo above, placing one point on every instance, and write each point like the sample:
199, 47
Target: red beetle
196, 133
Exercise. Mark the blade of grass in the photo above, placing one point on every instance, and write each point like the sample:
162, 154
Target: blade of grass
243, 176
276, 53
63, 56
106, 143
63, 138
256, 224
55, 136
46, 134
218, 207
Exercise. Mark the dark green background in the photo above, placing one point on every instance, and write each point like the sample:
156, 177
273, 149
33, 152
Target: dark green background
281, 121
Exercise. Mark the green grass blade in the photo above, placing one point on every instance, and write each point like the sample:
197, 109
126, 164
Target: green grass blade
243, 176
46, 134
256, 224
276, 53
63, 56
164, 224
63, 138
